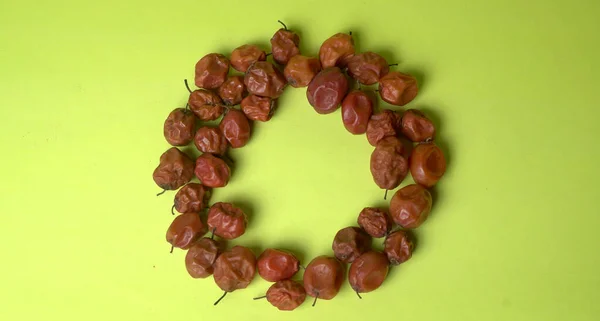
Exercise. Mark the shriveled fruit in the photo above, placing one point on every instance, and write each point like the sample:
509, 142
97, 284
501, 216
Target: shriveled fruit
410, 206
368, 272
206, 104
367, 67
284, 45
212, 171
258, 108
336, 50
210, 139
243, 56
389, 166
227, 220
265, 80
185, 229
323, 277
417, 127
276, 265
327, 90
179, 127
383, 124
427, 164
357, 109
397, 88
398, 247
191, 198
201, 257
236, 128
174, 170
235, 269
286, 295
375, 221
349, 243
211, 71
300, 70
232, 91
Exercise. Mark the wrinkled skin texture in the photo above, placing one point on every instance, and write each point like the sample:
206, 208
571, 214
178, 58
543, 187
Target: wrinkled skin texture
201, 257
327, 90
375, 221
336, 50
397, 88
398, 247
300, 70
368, 272
236, 128
367, 67
349, 243
242, 57
276, 265
357, 109
410, 206
174, 170
227, 220
417, 127
427, 164
286, 295
389, 166
210, 140
284, 46
265, 80
383, 124
185, 229
206, 104
211, 71
179, 127
235, 269
232, 91
258, 108
323, 277
191, 198
212, 171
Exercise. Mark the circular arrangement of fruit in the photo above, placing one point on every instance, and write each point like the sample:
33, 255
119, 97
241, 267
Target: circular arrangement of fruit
403, 141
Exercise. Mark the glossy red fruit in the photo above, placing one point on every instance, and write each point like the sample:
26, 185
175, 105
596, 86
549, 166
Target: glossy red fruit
323, 277
327, 90
276, 265
357, 109
427, 164
410, 206
185, 229
236, 128
368, 272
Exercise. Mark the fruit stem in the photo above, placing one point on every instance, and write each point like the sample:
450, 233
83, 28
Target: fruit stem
221, 298
315, 301
173, 209
187, 86
385, 195
260, 297
392, 65
212, 235
163, 191
360, 297
283, 24
350, 33
172, 246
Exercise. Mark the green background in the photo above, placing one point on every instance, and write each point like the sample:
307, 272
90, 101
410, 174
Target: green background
512, 85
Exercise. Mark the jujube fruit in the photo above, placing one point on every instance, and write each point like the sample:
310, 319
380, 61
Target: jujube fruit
300, 70
397, 88
234, 269
243, 56
201, 257
285, 295
174, 170
232, 91
389, 166
210, 139
410, 206
327, 90
357, 109
349, 243
368, 272
276, 265
323, 278
258, 108
236, 128
427, 164
206, 104
211, 71
398, 247
185, 229
417, 127
265, 80
336, 50
179, 127
375, 221
383, 124
367, 67
227, 220
212, 171
191, 198
284, 45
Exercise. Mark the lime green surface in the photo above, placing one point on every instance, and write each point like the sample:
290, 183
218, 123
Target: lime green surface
513, 86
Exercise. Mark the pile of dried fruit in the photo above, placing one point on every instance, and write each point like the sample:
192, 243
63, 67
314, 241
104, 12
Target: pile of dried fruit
403, 141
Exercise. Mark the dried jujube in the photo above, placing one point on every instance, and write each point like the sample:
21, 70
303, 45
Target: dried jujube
349, 243
397, 88
285, 295
427, 164
211, 71
185, 229
174, 170
227, 220
398, 247
417, 127
178, 128
210, 139
336, 50
383, 124
284, 45
410, 206
233, 90
265, 80
206, 105
236, 128
201, 257
191, 198
357, 109
367, 67
368, 272
234, 269
375, 221
258, 108
276, 265
300, 70
242, 57
323, 278
327, 90
212, 171
389, 165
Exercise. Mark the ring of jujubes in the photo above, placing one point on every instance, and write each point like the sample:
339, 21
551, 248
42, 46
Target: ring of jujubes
244, 87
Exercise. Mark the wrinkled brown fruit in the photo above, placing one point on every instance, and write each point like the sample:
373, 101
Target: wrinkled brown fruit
179, 127
327, 90
375, 221
286, 295
232, 91
227, 220
191, 198
206, 104
367, 67
211, 71
185, 229
258, 108
210, 139
368, 272
357, 109
410, 206
284, 45
242, 57
383, 124
300, 70
276, 265
336, 50
323, 277
234, 269
265, 80
417, 127
212, 171
397, 88
349, 243
174, 170
427, 164
389, 166
236, 128
201, 257
398, 247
